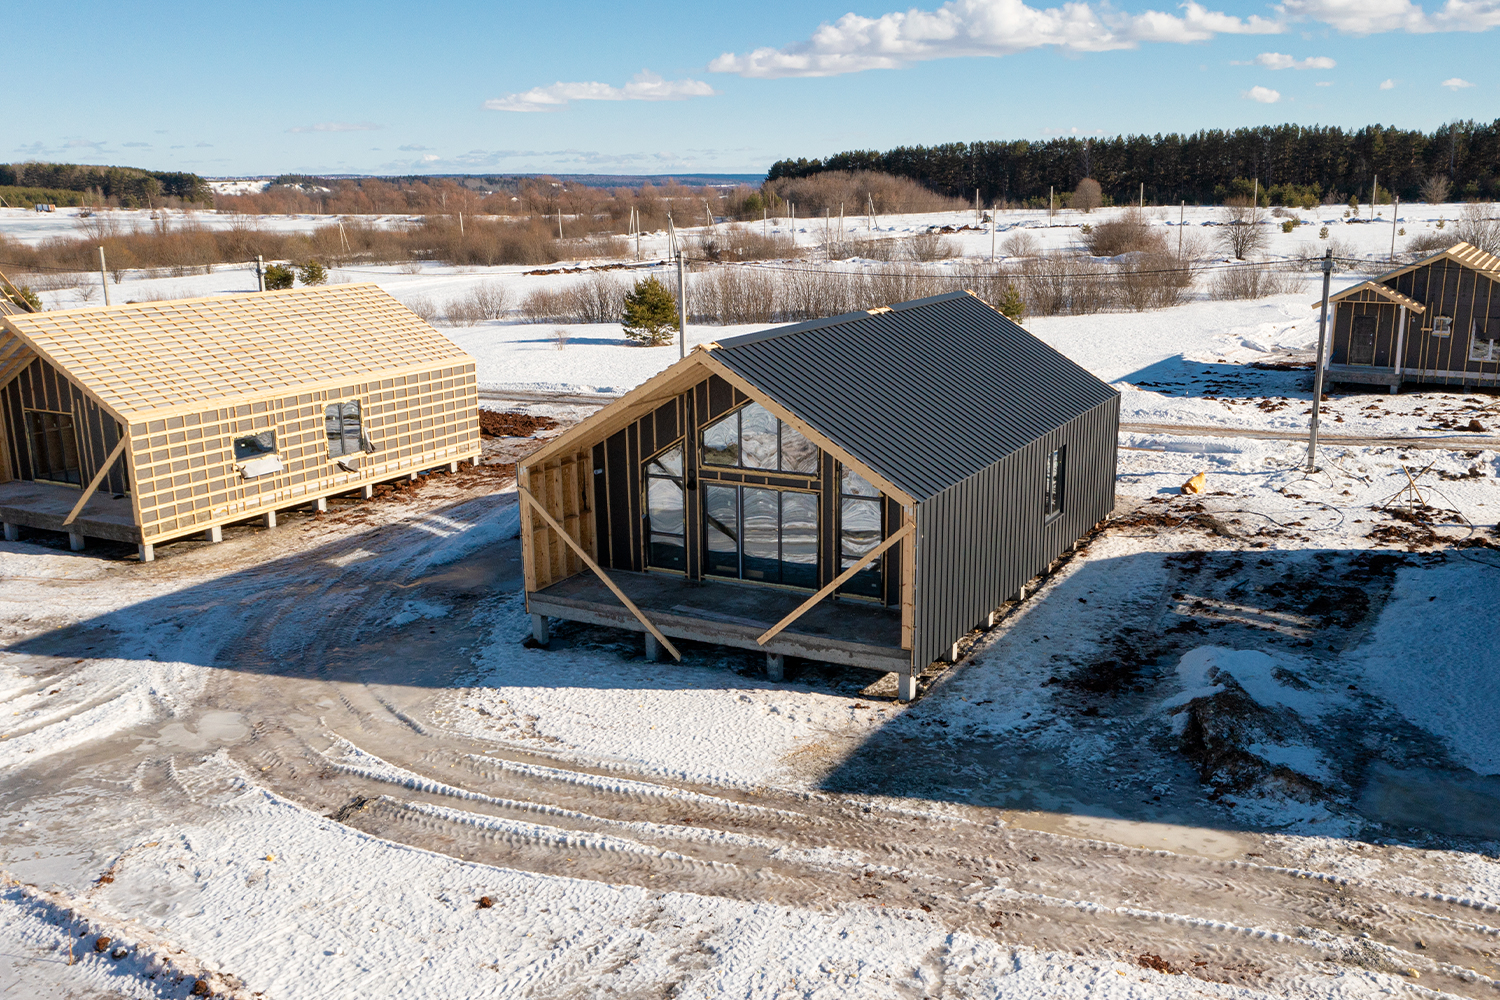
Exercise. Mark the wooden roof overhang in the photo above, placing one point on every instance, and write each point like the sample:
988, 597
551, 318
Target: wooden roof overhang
1383, 291
674, 381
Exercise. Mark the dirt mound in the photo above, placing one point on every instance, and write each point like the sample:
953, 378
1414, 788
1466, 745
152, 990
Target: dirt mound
1219, 730
509, 423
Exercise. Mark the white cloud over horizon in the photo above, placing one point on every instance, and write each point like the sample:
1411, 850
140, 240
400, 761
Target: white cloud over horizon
1265, 95
1456, 83
644, 86
1370, 17
1279, 60
962, 28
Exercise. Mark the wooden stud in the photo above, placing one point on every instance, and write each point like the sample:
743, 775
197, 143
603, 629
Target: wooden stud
908, 580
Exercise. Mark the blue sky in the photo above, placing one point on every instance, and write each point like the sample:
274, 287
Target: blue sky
451, 86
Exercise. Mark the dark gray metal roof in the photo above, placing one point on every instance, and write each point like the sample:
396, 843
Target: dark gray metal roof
926, 393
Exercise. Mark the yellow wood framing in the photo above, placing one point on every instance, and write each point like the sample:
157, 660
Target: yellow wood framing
104, 468
577, 549
836, 583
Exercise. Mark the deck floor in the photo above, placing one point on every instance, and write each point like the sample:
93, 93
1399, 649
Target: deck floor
853, 633
46, 505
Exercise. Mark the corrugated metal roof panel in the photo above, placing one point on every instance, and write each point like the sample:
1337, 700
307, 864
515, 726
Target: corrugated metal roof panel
927, 393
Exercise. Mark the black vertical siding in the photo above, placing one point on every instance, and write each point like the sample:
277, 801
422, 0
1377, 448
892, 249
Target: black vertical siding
40, 386
982, 538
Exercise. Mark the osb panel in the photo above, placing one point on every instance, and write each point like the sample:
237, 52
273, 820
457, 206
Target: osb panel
183, 465
180, 355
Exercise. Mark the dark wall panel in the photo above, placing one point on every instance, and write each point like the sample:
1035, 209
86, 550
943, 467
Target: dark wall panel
41, 387
981, 539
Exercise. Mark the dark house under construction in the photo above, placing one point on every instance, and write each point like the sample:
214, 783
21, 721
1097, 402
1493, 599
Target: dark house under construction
861, 490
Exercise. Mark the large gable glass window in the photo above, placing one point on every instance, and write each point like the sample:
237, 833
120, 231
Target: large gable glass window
666, 517
1057, 466
763, 535
54, 447
345, 428
753, 438
860, 530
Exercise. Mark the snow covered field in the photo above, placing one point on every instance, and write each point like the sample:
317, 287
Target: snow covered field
1218, 753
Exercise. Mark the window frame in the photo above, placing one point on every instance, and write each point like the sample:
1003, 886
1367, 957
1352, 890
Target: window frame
879, 566
647, 532
1442, 326
737, 414
31, 445
739, 576
362, 444
1055, 484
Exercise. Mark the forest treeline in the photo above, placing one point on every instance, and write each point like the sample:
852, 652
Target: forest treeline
123, 187
1308, 163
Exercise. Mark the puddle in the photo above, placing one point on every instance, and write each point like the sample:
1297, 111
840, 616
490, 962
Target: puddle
211, 729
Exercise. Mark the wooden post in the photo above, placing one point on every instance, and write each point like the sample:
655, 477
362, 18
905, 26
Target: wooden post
1181, 221
1395, 211
1050, 189
260, 273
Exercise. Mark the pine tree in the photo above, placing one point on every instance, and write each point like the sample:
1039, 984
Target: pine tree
650, 313
24, 297
279, 276
313, 273
1012, 306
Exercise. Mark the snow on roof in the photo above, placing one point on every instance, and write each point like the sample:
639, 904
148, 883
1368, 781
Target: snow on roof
152, 356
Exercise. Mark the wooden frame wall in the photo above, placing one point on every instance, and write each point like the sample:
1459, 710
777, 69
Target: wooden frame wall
1447, 288
564, 486
183, 462
41, 386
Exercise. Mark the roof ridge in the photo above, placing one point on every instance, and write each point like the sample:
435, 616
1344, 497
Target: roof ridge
277, 293
856, 316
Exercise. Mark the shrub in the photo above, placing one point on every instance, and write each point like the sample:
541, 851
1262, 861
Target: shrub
1251, 282
313, 273
599, 299
279, 276
1288, 225
1020, 243
1088, 195
546, 305
462, 311
650, 313
930, 246
1478, 228
744, 243
423, 307
1238, 233
1426, 243
1323, 233
491, 299
1130, 233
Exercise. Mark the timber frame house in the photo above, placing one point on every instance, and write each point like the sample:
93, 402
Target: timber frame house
860, 490
1435, 321
147, 422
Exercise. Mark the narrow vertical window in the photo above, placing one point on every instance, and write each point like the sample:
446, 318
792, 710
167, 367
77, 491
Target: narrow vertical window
54, 447
861, 529
1056, 483
666, 514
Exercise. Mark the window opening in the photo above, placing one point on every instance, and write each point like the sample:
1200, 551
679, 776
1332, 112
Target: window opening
753, 438
1056, 475
345, 429
1484, 343
1362, 341
54, 447
861, 529
1442, 326
254, 445
666, 513
761, 535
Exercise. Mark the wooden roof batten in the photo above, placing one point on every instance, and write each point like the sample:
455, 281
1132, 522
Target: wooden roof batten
157, 358
1385, 291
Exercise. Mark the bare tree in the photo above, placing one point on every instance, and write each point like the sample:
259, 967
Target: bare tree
1089, 195
1435, 189
1477, 227
1239, 232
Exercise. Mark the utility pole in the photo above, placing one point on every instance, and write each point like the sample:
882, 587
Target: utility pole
1143, 196
992, 236
103, 279
1395, 211
1374, 193
1312, 431
676, 246
1181, 221
1050, 189
260, 273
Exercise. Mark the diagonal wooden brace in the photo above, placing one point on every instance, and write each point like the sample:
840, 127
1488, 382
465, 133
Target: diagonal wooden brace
94, 483
526, 497
838, 582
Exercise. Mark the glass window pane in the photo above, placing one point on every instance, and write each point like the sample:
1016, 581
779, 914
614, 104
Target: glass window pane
263, 443
664, 506
721, 531
351, 427
757, 437
668, 463
860, 533
799, 539
760, 532
667, 552
856, 485
721, 441
798, 454
333, 424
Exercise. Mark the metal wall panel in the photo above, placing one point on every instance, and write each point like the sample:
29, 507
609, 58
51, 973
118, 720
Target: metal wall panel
981, 539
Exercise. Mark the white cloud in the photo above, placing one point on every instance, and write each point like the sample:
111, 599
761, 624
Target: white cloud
1278, 60
1265, 95
1388, 85
337, 127
980, 28
1455, 83
645, 86
1369, 17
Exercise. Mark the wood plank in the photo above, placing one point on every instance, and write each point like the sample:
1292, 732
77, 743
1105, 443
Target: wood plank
586, 526
98, 478
528, 545
908, 581
837, 582
603, 576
